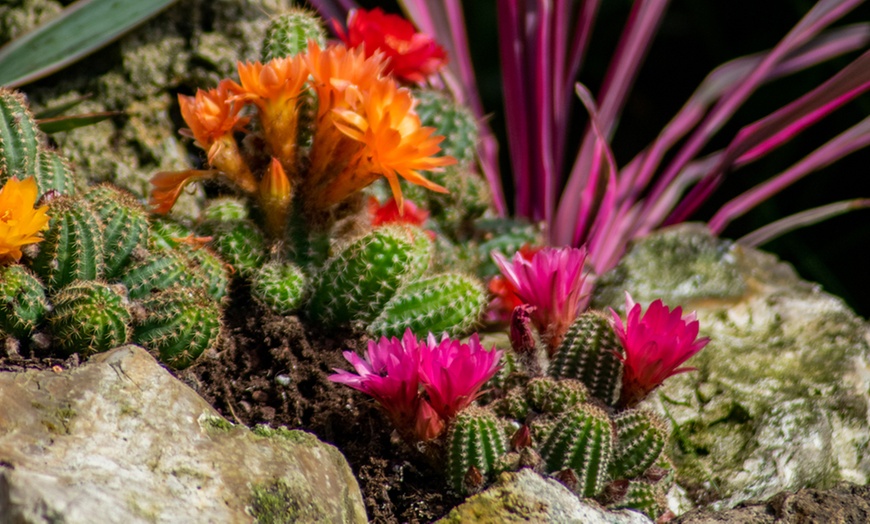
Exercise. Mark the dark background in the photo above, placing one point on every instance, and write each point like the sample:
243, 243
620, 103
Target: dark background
694, 38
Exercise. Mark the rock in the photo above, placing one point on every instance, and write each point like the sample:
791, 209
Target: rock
843, 504
780, 398
525, 496
121, 440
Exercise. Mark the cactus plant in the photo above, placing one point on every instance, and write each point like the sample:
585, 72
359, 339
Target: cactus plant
161, 271
587, 353
239, 242
475, 443
180, 324
453, 121
280, 286
53, 173
288, 34
22, 301
450, 303
125, 222
582, 441
89, 317
641, 437
73, 245
357, 283
644, 497
19, 137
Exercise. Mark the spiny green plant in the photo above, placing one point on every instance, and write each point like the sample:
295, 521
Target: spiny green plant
125, 224
89, 317
641, 437
475, 444
280, 286
22, 301
180, 323
448, 303
288, 34
239, 242
72, 248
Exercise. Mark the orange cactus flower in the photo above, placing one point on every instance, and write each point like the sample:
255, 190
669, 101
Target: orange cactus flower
394, 143
169, 184
338, 75
276, 194
20, 223
275, 88
212, 117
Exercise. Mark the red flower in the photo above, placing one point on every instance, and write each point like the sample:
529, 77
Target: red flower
655, 346
506, 300
412, 56
389, 213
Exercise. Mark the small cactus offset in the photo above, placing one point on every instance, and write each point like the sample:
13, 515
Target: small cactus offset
225, 209
645, 497
212, 272
450, 303
453, 121
180, 324
280, 286
641, 437
564, 395
19, 137
125, 222
357, 283
161, 271
89, 317
73, 245
582, 441
22, 301
475, 445
587, 354
288, 34
239, 242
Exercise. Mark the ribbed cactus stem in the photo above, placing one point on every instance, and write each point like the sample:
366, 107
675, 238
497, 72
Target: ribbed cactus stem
19, 137
22, 301
161, 271
54, 173
475, 443
564, 395
125, 222
280, 286
450, 303
641, 437
455, 122
582, 441
238, 242
288, 34
73, 245
90, 317
644, 497
180, 324
357, 283
587, 353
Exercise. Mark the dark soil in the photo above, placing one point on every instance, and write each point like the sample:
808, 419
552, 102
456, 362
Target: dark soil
273, 370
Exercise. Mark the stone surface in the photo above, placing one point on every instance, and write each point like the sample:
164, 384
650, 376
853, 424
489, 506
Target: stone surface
526, 496
121, 440
780, 398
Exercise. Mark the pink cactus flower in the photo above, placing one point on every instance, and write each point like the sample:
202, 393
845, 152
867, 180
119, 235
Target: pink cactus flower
389, 374
554, 283
453, 372
655, 346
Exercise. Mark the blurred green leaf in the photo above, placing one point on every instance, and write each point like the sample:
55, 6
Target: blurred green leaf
80, 29
67, 123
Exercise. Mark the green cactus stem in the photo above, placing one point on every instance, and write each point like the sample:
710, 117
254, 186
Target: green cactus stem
288, 34
644, 497
225, 209
161, 271
73, 245
53, 173
22, 301
587, 354
582, 441
357, 283
280, 286
475, 444
449, 303
125, 222
455, 122
180, 324
564, 395
210, 270
19, 137
89, 317
640, 439
238, 242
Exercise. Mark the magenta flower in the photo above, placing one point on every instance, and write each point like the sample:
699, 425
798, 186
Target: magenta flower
554, 283
389, 374
453, 372
655, 346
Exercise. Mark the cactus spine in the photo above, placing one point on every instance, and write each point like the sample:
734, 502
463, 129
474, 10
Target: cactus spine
125, 222
582, 440
587, 354
73, 245
22, 301
450, 303
89, 317
475, 444
180, 324
641, 437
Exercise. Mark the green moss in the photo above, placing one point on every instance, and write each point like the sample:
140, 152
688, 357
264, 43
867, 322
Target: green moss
216, 423
291, 435
278, 502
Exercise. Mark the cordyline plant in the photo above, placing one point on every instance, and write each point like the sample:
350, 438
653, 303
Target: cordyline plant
591, 200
